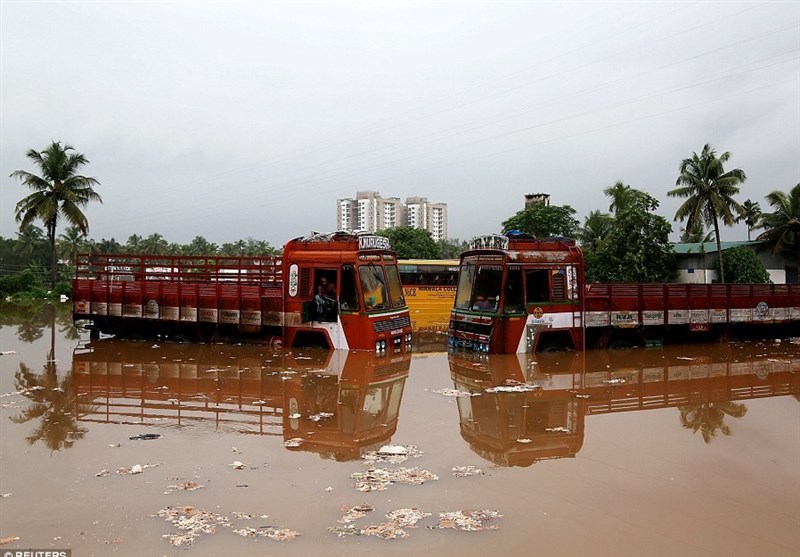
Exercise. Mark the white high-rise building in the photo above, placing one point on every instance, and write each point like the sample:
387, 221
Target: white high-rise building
369, 212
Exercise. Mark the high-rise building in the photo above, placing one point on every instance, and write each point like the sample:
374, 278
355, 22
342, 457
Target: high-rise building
369, 212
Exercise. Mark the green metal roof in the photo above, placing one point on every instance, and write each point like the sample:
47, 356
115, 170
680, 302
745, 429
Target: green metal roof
709, 247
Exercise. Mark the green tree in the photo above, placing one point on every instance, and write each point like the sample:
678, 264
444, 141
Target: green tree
751, 216
709, 418
71, 242
709, 192
622, 195
742, 266
451, 248
155, 244
696, 235
782, 226
134, 244
541, 221
106, 246
596, 227
411, 243
60, 192
636, 249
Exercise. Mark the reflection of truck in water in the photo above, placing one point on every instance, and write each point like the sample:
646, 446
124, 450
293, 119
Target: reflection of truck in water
521, 294
339, 404
525, 408
277, 299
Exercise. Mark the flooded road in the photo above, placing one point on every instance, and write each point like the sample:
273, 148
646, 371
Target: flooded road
135, 448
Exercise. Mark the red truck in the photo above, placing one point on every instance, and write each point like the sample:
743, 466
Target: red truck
519, 294
336, 291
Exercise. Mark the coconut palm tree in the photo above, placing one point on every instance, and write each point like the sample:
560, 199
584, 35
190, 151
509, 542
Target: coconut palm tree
30, 239
72, 242
751, 216
59, 192
709, 190
154, 244
621, 196
697, 235
783, 224
709, 418
595, 228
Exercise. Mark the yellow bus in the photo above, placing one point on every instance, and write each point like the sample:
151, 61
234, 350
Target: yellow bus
429, 286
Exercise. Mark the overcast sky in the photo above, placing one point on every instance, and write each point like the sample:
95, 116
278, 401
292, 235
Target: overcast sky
234, 120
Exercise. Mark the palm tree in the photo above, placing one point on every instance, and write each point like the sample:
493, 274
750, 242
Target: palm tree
709, 191
134, 244
709, 418
154, 244
620, 195
59, 192
29, 239
71, 243
596, 227
697, 235
783, 224
751, 215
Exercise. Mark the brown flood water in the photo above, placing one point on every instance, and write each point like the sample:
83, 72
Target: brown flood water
674, 451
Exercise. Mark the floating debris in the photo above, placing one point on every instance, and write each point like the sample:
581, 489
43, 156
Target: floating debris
193, 521
616, 381
454, 393
103, 473
145, 437
237, 465
295, 416
346, 530
8, 540
464, 471
320, 416
524, 440
392, 454
293, 443
185, 486
392, 529
5, 495
406, 518
385, 530
279, 534
135, 469
238, 515
524, 388
468, 521
379, 479
581, 395
559, 429
355, 513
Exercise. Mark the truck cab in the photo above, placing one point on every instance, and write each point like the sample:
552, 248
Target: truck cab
518, 294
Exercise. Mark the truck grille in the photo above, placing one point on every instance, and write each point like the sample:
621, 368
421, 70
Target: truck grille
391, 324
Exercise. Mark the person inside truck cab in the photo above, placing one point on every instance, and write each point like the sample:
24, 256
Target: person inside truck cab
325, 300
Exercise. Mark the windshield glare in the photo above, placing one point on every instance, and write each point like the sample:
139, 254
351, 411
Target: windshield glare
395, 288
466, 279
373, 287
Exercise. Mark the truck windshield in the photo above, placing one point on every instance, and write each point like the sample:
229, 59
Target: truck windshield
373, 287
395, 288
488, 285
466, 279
